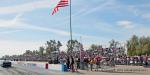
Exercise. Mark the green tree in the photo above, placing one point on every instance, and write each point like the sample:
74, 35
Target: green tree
138, 46
28, 52
58, 45
52, 46
41, 51
134, 44
71, 44
35, 52
95, 47
113, 43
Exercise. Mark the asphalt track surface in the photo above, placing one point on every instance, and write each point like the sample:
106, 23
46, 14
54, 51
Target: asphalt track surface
19, 70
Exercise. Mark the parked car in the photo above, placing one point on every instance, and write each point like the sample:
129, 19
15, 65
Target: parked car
6, 64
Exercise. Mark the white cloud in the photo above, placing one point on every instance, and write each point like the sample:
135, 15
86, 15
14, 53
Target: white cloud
8, 32
142, 31
52, 30
18, 24
103, 5
134, 10
138, 29
125, 24
10, 23
86, 10
7, 24
146, 16
106, 27
27, 7
11, 47
137, 10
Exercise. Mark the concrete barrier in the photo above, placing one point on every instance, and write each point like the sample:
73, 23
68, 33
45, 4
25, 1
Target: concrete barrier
57, 67
42, 65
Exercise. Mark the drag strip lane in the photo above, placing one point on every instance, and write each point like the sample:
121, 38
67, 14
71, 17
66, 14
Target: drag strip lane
16, 71
7, 71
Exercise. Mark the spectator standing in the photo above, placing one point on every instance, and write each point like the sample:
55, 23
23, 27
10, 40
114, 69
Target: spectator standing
98, 59
86, 63
68, 62
92, 62
72, 64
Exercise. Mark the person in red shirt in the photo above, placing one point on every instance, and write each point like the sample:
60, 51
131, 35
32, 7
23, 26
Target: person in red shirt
98, 60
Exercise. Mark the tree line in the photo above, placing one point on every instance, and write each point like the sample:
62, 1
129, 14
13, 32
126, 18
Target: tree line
53, 46
135, 46
138, 45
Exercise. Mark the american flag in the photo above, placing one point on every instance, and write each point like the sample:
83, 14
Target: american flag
62, 3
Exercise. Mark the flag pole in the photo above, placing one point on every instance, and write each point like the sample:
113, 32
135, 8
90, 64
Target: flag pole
71, 28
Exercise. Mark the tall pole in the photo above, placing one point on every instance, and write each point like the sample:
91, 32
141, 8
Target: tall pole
80, 47
71, 28
80, 51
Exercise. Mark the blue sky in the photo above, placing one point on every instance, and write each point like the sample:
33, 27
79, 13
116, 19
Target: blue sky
28, 24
